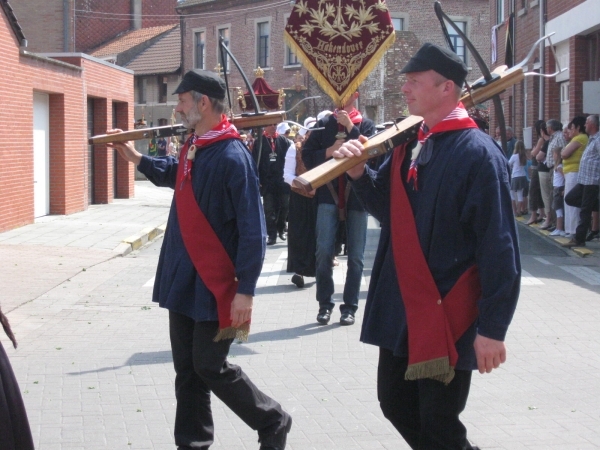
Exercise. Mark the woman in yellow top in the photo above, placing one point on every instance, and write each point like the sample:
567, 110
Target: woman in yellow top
571, 156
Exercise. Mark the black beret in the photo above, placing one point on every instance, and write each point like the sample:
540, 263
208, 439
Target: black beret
441, 60
203, 81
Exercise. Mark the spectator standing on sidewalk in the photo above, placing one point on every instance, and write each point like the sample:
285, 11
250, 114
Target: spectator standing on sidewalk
571, 155
557, 140
585, 193
536, 203
558, 203
446, 277
518, 180
336, 203
209, 293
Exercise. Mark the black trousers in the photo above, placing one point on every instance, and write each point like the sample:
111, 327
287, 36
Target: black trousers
425, 412
201, 367
584, 196
276, 205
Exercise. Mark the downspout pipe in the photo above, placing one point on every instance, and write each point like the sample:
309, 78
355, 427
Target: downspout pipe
542, 62
66, 26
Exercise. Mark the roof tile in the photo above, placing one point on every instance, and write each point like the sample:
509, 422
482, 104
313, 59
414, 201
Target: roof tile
164, 56
129, 39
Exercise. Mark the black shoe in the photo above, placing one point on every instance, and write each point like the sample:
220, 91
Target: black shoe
592, 235
276, 441
298, 280
282, 236
272, 240
324, 316
347, 319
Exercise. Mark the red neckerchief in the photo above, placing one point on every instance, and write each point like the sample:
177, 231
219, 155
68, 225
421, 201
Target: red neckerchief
223, 130
434, 324
458, 119
271, 139
202, 244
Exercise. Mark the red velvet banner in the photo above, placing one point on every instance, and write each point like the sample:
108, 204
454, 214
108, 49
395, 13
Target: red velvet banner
339, 41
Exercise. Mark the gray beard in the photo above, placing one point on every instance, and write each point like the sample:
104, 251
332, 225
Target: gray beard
191, 119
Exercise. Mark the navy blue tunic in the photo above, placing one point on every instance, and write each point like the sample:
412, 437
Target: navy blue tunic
463, 213
315, 148
225, 185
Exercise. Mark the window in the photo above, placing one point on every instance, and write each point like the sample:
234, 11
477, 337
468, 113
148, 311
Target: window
290, 57
141, 89
499, 11
224, 34
162, 89
262, 32
457, 41
398, 23
199, 45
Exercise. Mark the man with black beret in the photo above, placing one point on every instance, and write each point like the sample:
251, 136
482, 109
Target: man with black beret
446, 277
209, 265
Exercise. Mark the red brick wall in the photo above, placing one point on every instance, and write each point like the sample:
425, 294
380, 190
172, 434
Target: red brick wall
42, 24
68, 88
578, 69
16, 177
125, 172
92, 22
527, 32
421, 21
555, 8
158, 12
552, 90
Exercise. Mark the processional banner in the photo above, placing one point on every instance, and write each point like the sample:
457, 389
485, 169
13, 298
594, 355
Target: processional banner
339, 41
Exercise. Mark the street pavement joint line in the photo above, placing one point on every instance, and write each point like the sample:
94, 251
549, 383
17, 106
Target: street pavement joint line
584, 273
271, 271
543, 261
60, 282
529, 280
339, 274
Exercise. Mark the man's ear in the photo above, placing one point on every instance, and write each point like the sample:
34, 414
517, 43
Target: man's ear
202, 103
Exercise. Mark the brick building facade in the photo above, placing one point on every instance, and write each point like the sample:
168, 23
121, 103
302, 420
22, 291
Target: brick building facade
242, 22
52, 90
576, 43
81, 25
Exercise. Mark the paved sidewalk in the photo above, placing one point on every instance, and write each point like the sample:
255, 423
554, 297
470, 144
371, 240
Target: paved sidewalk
38, 257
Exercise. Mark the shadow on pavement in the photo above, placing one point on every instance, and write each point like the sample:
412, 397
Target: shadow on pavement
137, 359
282, 334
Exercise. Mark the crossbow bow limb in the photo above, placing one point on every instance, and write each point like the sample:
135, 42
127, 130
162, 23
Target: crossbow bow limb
256, 119
495, 81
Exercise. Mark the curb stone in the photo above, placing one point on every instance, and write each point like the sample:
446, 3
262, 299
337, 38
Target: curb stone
140, 239
582, 252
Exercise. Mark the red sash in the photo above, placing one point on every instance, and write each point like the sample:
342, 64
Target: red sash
434, 324
206, 251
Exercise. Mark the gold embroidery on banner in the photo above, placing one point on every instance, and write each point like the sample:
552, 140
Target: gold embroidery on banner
335, 38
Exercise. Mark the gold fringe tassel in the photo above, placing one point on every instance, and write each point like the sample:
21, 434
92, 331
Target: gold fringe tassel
436, 369
338, 99
241, 333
